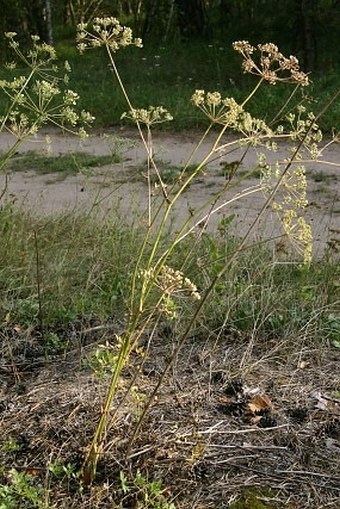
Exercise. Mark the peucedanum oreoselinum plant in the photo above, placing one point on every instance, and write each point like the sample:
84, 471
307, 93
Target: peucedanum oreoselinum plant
157, 289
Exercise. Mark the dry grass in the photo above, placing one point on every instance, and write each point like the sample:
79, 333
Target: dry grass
202, 438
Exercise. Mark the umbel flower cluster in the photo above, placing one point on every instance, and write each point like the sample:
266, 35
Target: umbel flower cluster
106, 32
153, 115
229, 113
270, 64
40, 94
288, 202
172, 282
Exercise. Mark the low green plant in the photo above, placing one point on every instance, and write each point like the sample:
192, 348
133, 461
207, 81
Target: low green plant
60, 470
63, 164
149, 494
103, 360
333, 329
21, 490
255, 499
11, 445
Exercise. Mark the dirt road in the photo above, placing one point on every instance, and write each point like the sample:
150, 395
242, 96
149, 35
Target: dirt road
122, 185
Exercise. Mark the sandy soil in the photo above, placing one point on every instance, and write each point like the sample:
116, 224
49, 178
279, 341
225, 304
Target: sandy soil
122, 185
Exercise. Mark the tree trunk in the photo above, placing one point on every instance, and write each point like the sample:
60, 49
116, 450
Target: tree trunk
191, 18
307, 31
48, 16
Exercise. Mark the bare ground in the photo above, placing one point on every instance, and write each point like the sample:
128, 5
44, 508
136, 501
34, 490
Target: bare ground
236, 417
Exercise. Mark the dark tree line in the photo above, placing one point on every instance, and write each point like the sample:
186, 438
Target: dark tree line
309, 28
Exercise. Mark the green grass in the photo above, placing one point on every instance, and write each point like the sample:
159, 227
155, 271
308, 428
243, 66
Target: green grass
85, 266
271, 299
83, 270
168, 75
169, 172
63, 164
321, 176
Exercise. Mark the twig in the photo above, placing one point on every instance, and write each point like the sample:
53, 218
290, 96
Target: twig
305, 472
328, 398
98, 328
241, 446
234, 432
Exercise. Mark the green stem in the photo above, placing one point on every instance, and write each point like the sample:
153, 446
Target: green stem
247, 99
6, 157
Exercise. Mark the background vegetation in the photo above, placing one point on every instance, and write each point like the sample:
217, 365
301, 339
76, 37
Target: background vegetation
187, 45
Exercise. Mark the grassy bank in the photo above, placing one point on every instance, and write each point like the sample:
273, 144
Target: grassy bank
70, 267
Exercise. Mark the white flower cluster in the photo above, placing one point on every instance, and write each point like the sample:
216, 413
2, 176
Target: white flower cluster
106, 32
39, 95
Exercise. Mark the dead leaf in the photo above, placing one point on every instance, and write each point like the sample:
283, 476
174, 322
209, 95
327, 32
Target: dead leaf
259, 403
333, 445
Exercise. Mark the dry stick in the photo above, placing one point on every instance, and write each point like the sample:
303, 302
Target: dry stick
220, 274
213, 430
313, 474
38, 274
242, 447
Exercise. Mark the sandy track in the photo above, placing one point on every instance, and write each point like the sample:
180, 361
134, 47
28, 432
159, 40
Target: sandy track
121, 186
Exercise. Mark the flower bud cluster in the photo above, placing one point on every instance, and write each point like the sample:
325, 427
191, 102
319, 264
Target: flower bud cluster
229, 113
